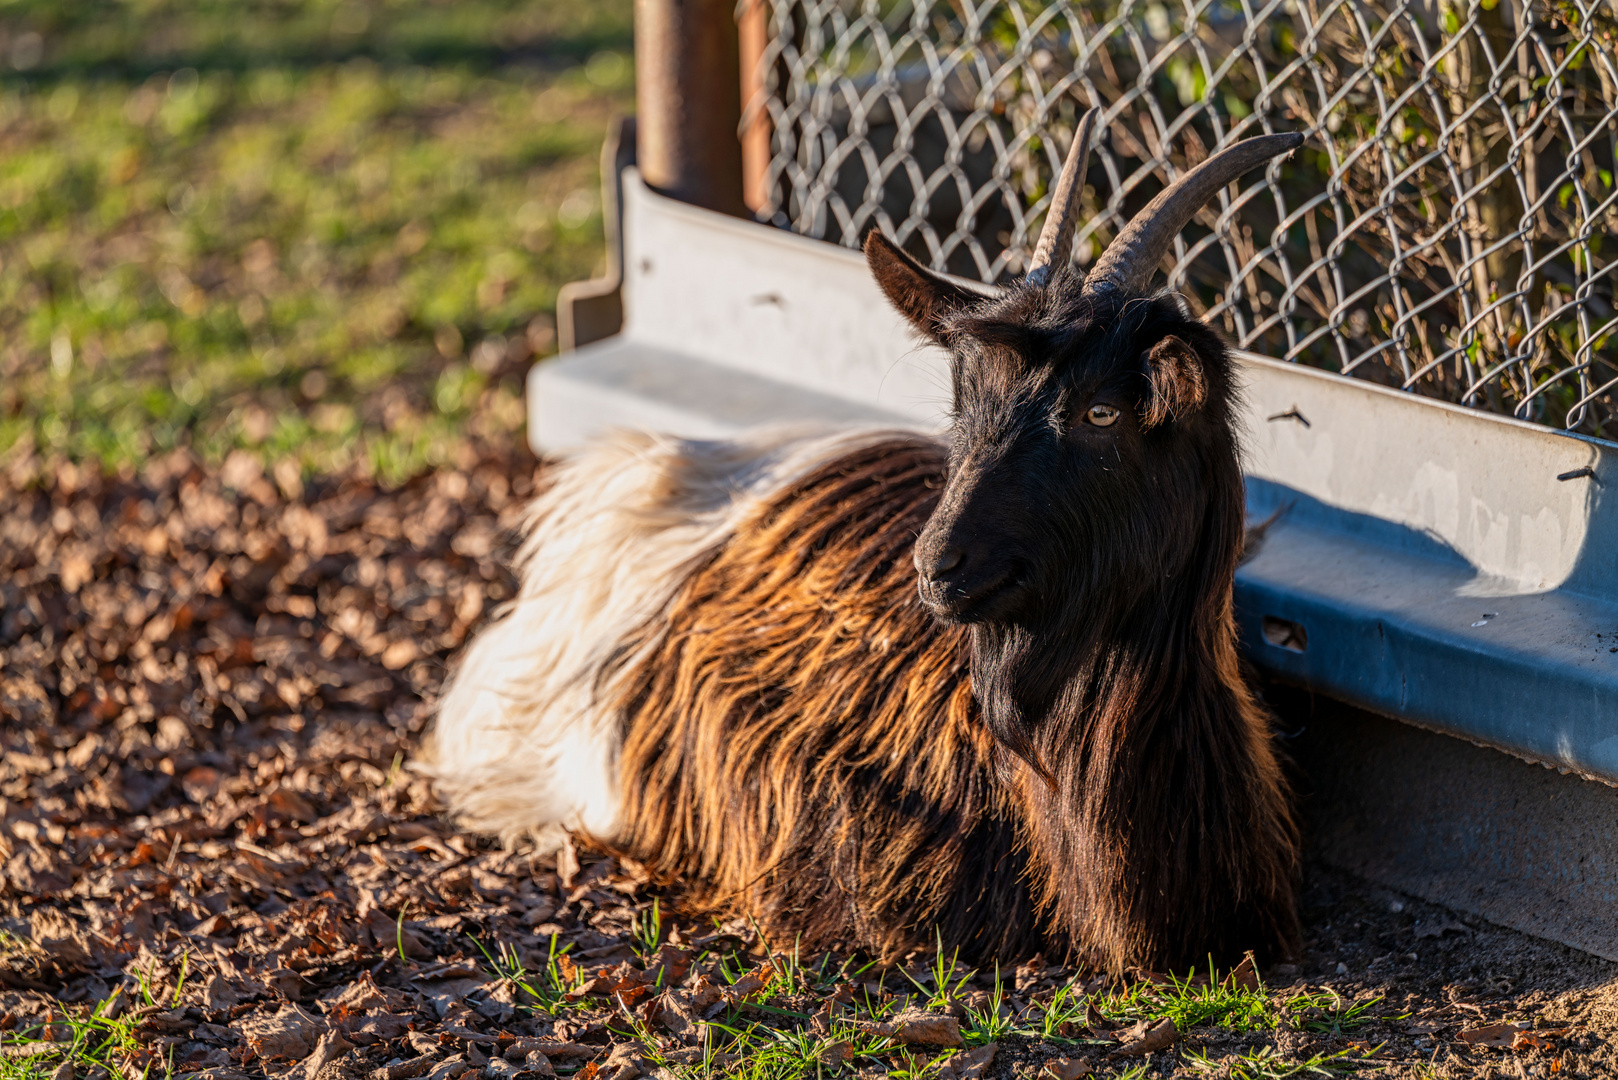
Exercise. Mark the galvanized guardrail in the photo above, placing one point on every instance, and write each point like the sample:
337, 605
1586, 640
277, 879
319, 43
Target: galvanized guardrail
1447, 229
1448, 567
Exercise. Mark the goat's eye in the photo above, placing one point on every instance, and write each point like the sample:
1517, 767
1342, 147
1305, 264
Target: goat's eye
1102, 415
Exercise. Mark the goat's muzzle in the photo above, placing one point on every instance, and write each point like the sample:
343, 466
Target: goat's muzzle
960, 585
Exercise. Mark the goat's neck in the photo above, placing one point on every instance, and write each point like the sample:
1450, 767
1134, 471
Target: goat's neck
1168, 652
1139, 739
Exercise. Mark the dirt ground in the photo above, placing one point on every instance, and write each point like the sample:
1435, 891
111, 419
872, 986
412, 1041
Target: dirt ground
217, 862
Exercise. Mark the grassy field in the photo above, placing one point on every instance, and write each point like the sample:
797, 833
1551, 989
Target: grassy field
330, 231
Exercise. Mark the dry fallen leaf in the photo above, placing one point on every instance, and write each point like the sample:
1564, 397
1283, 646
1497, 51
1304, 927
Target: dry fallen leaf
1028, 973
409, 1069
840, 1052
969, 1064
38, 873
331, 1046
61, 940
567, 862
1501, 1035
400, 654
76, 572
31, 1049
1066, 1068
1535, 1040
220, 994
1138, 1043
917, 1027
288, 1035
449, 1070
1245, 975
748, 984
626, 1062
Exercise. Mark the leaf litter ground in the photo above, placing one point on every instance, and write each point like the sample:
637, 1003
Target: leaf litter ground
216, 862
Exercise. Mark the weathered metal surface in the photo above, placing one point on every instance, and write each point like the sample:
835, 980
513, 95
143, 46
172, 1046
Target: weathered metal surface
643, 386
773, 304
1440, 569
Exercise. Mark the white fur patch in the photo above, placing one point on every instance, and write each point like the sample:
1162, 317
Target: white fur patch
526, 742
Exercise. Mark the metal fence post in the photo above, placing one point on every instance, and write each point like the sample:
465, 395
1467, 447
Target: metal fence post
753, 33
689, 101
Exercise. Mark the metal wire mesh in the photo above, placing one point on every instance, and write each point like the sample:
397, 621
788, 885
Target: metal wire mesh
1447, 227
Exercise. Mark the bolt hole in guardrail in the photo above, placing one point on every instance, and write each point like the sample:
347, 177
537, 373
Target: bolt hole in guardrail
1285, 634
1292, 414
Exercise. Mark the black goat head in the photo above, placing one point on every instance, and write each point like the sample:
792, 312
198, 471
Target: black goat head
1092, 420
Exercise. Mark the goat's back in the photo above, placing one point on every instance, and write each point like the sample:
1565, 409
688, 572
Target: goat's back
527, 735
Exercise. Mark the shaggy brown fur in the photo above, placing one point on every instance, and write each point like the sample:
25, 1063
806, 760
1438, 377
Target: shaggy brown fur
845, 791
805, 747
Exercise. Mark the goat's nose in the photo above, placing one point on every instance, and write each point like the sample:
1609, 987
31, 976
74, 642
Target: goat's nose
933, 561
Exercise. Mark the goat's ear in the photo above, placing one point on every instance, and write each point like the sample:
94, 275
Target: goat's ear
921, 296
1178, 383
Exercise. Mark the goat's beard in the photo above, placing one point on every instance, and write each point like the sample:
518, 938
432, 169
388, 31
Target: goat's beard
1019, 673
1000, 655
1030, 674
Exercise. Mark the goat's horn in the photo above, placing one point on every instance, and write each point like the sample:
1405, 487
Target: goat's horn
1129, 260
1056, 238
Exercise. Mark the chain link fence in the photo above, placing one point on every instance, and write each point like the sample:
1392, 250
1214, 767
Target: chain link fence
1448, 227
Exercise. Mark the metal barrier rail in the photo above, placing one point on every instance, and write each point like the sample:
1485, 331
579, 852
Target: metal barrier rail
1447, 229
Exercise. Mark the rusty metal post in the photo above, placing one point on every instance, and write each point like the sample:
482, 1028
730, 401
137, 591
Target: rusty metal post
753, 34
689, 101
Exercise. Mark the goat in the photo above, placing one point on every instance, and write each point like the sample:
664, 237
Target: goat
880, 690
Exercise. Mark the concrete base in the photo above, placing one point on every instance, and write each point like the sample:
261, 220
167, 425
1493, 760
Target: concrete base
1468, 827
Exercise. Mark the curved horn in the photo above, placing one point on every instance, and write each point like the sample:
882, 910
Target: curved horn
1056, 238
1129, 260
